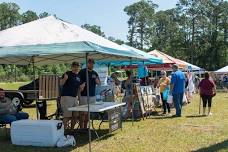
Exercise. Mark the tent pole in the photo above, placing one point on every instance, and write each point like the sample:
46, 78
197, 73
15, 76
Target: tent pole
109, 70
132, 100
34, 86
87, 87
147, 98
15, 73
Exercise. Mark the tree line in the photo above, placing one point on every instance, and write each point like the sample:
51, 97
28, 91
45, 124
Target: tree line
194, 30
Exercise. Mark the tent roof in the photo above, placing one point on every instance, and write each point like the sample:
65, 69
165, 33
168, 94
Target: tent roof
150, 58
222, 70
51, 40
168, 59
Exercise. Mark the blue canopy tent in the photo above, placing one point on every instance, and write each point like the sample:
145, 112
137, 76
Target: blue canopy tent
51, 41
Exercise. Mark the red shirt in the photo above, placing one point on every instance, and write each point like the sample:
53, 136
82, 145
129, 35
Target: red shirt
206, 87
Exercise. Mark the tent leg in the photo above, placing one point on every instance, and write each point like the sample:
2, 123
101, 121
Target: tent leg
87, 87
132, 100
34, 87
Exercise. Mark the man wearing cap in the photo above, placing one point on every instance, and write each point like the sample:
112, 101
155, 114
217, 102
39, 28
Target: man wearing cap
93, 81
70, 83
177, 89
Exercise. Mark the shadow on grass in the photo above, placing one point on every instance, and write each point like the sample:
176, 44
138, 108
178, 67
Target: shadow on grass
217, 147
163, 117
80, 137
195, 116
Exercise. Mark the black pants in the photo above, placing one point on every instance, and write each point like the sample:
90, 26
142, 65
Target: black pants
206, 99
165, 104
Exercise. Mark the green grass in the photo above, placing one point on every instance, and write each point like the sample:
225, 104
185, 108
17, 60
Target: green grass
155, 134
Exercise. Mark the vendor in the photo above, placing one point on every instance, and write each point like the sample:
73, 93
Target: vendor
93, 81
70, 83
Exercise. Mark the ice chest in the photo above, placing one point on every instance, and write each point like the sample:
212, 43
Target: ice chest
36, 132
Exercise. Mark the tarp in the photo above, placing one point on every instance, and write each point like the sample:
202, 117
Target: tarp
167, 59
149, 59
222, 70
51, 40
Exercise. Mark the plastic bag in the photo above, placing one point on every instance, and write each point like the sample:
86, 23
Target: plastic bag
170, 99
66, 141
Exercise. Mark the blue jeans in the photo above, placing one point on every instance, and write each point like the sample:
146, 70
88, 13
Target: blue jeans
178, 102
9, 118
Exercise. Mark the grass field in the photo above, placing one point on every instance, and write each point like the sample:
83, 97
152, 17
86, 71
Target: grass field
157, 133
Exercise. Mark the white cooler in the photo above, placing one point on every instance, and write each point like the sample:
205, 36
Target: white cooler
36, 132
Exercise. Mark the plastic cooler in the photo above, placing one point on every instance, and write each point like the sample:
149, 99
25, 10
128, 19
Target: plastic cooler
36, 132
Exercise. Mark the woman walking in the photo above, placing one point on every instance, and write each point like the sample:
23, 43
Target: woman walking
207, 91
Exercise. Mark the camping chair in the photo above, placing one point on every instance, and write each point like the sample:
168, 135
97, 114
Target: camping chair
49, 90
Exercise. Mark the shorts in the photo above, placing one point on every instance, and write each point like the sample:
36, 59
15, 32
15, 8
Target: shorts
83, 100
67, 102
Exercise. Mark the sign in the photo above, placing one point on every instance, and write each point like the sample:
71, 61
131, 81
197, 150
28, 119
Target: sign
114, 117
102, 71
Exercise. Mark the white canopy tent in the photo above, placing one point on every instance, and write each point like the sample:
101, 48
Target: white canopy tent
222, 70
51, 41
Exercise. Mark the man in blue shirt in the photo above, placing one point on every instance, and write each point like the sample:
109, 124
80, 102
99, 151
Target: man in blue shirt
177, 88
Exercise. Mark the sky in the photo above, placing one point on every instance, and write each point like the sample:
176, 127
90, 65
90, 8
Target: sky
108, 14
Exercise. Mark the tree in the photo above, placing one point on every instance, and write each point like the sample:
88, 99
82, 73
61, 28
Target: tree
29, 16
94, 28
9, 15
141, 18
118, 41
44, 14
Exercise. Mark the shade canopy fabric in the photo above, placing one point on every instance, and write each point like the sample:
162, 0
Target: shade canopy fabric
51, 40
222, 70
167, 59
192, 67
148, 59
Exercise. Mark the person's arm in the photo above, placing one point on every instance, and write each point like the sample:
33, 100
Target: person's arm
97, 80
64, 79
173, 80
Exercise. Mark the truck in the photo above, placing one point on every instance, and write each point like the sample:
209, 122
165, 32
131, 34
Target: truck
25, 95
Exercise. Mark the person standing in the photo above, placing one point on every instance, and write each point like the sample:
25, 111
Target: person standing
177, 89
163, 84
93, 81
70, 83
207, 91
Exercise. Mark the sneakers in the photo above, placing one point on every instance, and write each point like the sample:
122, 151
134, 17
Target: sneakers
210, 114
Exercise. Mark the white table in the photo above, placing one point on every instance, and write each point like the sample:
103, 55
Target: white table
113, 109
97, 107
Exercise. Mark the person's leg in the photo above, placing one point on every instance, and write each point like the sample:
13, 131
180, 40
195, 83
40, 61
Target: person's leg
67, 115
204, 104
209, 105
167, 105
21, 115
83, 115
8, 119
176, 104
163, 104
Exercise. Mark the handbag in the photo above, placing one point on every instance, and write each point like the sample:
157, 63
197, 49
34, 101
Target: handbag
170, 99
165, 94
